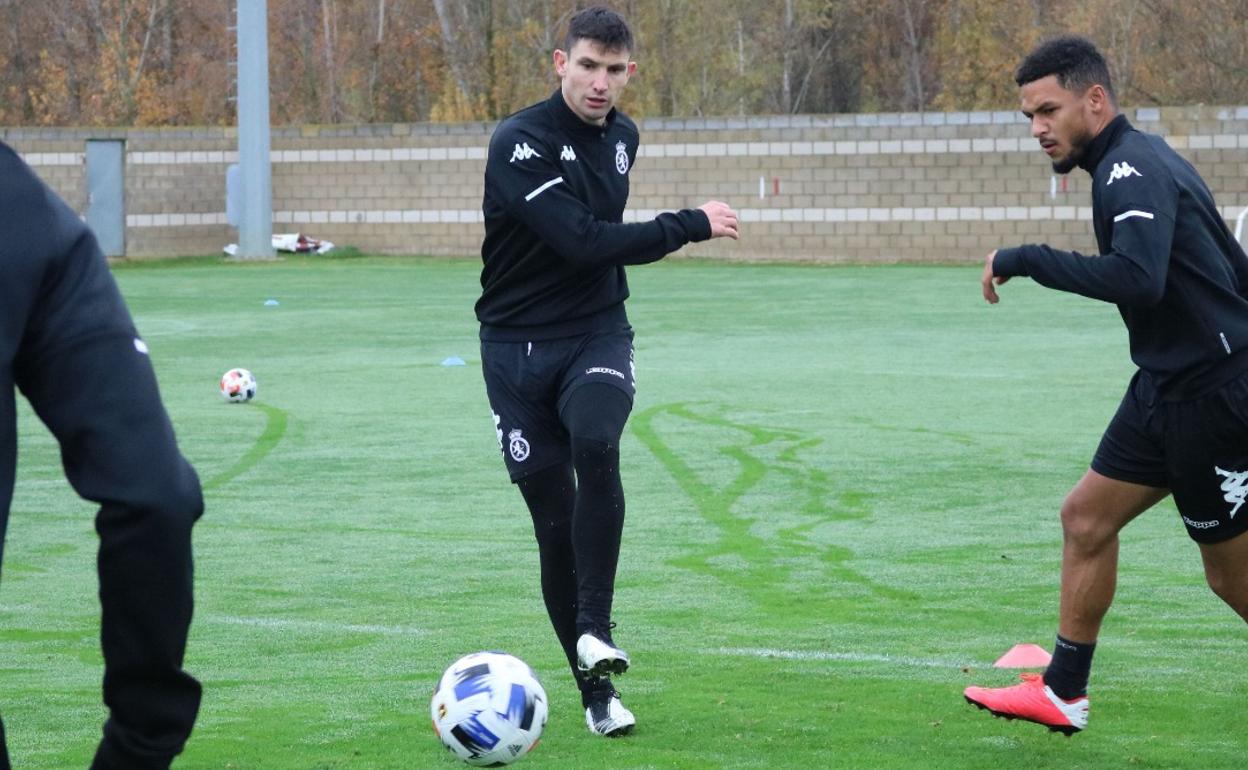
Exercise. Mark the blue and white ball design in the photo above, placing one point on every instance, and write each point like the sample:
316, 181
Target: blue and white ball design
489, 709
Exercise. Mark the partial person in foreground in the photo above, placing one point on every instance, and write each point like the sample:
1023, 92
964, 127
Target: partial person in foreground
556, 344
1180, 281
68, 343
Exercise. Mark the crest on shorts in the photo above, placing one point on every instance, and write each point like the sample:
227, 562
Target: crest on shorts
621, 158
1234, 487
518, 446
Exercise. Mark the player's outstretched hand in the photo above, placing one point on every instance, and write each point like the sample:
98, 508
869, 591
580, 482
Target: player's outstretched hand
723, 219
987, 280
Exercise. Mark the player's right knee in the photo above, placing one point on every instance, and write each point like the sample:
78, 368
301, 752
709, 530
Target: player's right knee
170, 500
185, 498
1082, 526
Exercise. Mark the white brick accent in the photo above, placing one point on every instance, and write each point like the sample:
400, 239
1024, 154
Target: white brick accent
472, 216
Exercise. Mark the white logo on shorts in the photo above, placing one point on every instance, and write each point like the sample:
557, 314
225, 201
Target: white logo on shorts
498, 430
1200, 524
1235, 488
518, 446
604, 370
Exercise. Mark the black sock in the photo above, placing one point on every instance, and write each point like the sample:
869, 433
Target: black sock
597, 525
595, 415
593, 688
550, 495
1067, 674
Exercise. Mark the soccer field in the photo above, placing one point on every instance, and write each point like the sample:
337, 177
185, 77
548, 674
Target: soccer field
843, 485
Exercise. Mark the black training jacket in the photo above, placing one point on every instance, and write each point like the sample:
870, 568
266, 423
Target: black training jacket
1167, 259
555, 246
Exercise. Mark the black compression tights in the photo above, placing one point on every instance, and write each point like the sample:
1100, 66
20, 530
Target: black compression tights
578, 517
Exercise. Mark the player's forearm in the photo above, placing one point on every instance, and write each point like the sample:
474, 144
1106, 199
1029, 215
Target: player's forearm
598, 243
1115, 277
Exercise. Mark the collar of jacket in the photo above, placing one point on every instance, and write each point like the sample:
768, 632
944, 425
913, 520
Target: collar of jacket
571, 121
1101, 143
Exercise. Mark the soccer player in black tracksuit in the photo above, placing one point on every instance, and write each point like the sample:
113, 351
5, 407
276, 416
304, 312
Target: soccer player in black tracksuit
1180, 281
67, 341
556, 346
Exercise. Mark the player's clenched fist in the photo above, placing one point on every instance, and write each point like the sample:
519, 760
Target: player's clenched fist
723, 219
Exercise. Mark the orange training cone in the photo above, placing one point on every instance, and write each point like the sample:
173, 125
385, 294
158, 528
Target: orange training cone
1024, 656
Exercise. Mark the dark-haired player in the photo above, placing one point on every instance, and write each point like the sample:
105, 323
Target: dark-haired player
556, 345
1180, 281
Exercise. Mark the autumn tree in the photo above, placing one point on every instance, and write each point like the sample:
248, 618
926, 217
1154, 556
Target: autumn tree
170, 62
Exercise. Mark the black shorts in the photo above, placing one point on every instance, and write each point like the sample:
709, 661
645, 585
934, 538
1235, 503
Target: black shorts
1197, 449
528, 384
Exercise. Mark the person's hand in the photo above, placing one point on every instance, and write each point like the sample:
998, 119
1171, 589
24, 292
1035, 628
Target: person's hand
723, 219
989, 282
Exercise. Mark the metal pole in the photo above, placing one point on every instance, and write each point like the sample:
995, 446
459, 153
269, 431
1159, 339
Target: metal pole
255, 229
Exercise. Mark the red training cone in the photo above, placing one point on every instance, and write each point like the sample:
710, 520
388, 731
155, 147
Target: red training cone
1024, 656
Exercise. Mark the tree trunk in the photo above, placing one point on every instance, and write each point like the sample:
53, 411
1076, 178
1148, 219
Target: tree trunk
916, 98
451, 45
786, 86
375, 71
332, 108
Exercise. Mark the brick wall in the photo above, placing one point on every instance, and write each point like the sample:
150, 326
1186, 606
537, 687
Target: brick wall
862, 188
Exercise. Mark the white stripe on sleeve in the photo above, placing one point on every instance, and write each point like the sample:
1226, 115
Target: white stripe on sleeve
1133, 213
559, 179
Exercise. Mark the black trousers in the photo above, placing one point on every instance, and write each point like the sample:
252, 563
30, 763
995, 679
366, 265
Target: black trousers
98, 396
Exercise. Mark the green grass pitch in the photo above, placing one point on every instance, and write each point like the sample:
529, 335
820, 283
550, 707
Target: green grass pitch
842, 483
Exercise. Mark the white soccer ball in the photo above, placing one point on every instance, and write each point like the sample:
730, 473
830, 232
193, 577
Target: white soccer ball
489, 709
238, 386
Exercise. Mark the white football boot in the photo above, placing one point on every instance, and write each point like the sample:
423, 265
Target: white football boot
607, 717
597, 656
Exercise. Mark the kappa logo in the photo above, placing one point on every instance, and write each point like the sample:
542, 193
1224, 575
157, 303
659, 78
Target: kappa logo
567, 153
1201, 524
498, 430
1121, 171
1234, 488
518, 446
621, 158
523, 152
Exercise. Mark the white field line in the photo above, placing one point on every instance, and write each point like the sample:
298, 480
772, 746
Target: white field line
745, 652
280, 624
848, 657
